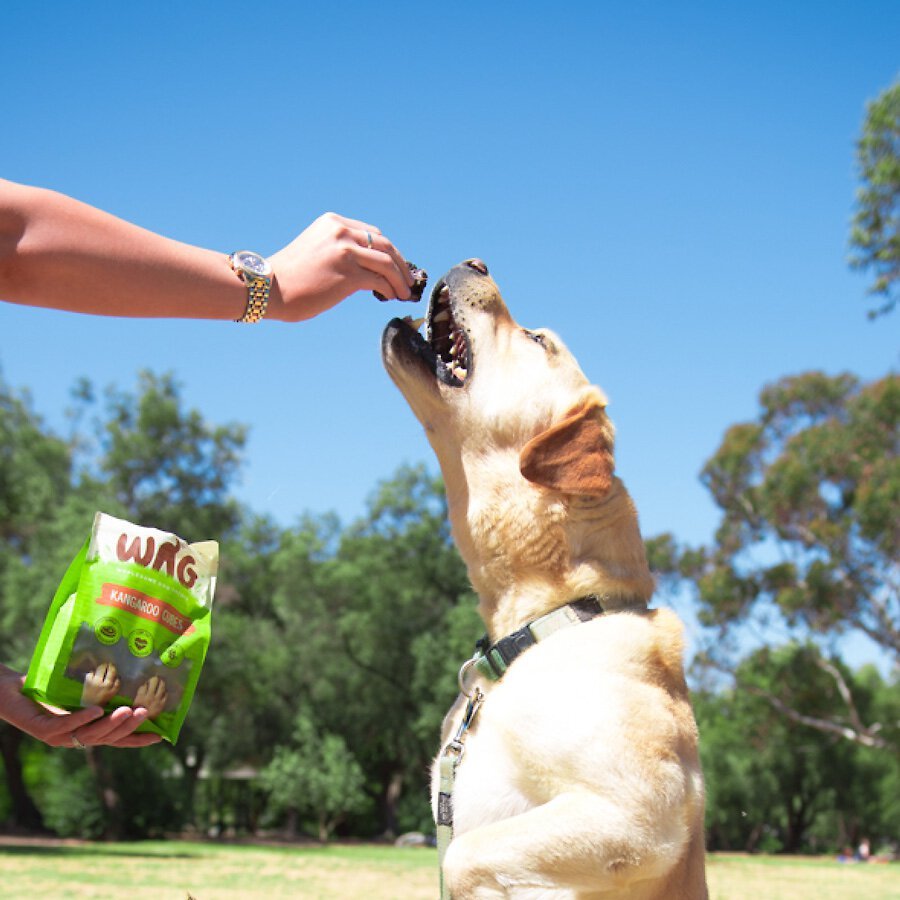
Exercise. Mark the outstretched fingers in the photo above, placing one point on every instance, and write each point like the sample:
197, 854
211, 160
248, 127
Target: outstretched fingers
117, 729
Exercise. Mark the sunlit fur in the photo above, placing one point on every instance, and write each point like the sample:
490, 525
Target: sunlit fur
581, 776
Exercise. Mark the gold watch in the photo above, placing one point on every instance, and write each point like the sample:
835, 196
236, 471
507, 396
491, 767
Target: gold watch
256, 272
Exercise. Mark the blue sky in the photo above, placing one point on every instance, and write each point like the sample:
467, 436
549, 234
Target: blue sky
668, 186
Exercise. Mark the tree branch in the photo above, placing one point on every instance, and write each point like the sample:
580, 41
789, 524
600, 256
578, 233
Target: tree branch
846, 696
373, 670
866, 737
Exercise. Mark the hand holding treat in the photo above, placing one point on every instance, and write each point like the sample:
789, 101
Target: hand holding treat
58, 728
151, 695
420, 279
101, 685
331, 259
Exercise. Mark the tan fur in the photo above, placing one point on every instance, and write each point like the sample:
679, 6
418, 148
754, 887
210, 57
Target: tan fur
581, 776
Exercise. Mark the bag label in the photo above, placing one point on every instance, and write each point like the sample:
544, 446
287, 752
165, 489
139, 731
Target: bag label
143, 605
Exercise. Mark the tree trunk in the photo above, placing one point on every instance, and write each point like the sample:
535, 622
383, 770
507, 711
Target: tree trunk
111, 802
753, 838
25, 815
292, 822
191, 764
392, 792
797, 823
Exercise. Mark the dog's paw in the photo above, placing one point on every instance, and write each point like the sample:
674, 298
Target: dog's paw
101, 685
152, 696
464, 881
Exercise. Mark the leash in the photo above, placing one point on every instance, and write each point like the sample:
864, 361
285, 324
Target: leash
451, 757
491, 661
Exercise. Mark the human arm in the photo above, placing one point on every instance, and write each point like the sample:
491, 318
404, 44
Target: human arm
90, 727
60, 253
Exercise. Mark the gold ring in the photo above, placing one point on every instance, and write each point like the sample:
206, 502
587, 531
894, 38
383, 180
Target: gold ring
369, 239
77, 745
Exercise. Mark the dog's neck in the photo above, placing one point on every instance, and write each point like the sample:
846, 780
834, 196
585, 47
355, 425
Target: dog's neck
531, 551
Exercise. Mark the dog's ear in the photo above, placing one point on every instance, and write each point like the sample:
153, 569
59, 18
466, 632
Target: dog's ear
574, 456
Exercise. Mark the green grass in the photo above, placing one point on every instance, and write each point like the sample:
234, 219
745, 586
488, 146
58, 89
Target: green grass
206, 871
739, 877
66, 869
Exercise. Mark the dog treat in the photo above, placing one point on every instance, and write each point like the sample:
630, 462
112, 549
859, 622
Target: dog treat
420, 277
152, 695
129, 625
101, 685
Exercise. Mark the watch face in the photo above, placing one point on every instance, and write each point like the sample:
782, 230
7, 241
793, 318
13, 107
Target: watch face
253, 263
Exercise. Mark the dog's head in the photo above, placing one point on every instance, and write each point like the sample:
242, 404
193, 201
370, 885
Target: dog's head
519, 432
478, 381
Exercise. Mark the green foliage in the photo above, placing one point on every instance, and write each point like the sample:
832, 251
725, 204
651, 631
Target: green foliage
68, 798
140, 456
776, 784
807, 547
65, 786
875, 236
35, 484
315, 776
810, 501
166, 465
151, 797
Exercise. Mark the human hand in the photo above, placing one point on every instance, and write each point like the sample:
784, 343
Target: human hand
331, 259
85, 728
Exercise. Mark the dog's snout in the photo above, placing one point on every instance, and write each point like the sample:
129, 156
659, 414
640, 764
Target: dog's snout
477, 264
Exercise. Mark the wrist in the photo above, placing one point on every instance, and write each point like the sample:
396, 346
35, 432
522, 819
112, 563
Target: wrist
288, 300
276, 311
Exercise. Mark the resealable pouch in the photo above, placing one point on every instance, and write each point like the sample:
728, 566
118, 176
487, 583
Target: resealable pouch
129, 625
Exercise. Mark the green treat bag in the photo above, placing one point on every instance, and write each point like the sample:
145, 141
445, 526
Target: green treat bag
129, 625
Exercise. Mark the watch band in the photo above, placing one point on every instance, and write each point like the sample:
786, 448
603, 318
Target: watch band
257, 299
258, 288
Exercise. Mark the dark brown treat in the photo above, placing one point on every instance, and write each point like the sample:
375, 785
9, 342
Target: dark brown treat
420, 277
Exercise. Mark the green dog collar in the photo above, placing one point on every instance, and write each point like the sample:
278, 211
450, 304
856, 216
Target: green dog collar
492, 660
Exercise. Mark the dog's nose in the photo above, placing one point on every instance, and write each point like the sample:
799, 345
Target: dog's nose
477, 265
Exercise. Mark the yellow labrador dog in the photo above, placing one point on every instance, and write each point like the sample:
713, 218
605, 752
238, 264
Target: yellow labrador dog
574, 770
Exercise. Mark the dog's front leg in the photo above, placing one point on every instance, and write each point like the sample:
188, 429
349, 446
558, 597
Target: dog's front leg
578, 842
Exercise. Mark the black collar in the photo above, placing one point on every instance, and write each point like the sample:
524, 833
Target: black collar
492, 660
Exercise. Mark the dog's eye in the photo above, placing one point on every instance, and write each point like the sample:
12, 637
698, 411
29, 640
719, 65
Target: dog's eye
537, 338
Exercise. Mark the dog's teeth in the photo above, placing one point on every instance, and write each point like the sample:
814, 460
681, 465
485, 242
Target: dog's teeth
416, 324
442, 316
445, 293
461, 373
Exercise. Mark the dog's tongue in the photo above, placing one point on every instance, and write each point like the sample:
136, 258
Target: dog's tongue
420, 279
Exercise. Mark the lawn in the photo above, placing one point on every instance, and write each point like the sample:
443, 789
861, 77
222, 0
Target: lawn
176, 871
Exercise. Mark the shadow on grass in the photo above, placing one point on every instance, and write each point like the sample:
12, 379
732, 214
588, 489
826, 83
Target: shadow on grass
91, 850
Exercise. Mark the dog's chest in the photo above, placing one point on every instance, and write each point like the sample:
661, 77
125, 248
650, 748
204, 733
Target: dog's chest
562, 715
486, 787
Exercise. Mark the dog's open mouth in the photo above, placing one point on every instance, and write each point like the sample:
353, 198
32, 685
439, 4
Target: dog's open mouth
444, 348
